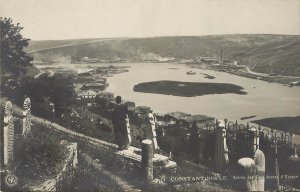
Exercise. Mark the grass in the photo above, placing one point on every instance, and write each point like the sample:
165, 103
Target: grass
37, 156
89, 179
88, 123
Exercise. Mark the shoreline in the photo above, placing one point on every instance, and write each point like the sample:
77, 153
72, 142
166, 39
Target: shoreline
291, 124
284, 80
122, 63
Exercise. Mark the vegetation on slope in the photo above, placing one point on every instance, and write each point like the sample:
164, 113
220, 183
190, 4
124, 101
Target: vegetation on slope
187, 89
263, 53
280, 56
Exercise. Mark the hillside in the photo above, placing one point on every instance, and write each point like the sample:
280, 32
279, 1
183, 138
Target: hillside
262, 53
279, 56
40, 45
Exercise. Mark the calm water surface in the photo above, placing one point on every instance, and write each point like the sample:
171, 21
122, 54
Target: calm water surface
263, 99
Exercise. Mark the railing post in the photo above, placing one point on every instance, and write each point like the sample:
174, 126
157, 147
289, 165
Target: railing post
225, 122
259, 133
272, 135
147, 161
255, 141
221, 150
276, 165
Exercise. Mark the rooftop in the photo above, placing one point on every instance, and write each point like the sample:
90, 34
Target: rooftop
94, 84
88, 92
178, 115
198, 118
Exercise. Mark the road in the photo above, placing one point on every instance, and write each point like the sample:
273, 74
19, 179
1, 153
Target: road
73, 44
265, 74
250, 61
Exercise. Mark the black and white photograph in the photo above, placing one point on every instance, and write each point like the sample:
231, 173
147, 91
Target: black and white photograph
149, 95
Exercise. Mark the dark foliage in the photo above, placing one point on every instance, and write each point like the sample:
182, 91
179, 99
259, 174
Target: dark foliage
44, 90
12, 57
289, 124
187, 89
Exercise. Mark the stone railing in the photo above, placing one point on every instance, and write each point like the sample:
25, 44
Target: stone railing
161, 163
63, 179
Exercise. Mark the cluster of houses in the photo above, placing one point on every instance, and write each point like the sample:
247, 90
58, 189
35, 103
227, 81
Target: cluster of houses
98, 60
139, 114
90, 90
93, 84
186, 121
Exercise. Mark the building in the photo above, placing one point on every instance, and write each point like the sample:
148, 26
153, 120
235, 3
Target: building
106, 95
177, 118
209, 59
201, 120
90, 60
100, 80
87, 94
142, 110
130, 106
185, 120
94, 86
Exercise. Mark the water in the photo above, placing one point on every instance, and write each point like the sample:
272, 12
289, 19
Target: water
263, 99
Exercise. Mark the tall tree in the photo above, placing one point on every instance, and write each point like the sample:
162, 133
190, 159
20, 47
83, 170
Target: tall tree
57, 89
12, 56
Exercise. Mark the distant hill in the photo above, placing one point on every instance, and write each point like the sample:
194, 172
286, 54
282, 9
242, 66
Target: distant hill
280, 56
47, 44
262, 53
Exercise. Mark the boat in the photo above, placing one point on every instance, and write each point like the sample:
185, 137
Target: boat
191, 73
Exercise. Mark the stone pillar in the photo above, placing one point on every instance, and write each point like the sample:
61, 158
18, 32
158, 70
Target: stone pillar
248, 169
221, 152
75, 157
295, 156
26, 116
8, 134
259, 159
128, 139
152, 121
147, 161
255, 138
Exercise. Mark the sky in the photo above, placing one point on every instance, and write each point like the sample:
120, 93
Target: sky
75, 19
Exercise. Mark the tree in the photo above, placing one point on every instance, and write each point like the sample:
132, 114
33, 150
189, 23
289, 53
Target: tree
61, 93
56, 88
12, 57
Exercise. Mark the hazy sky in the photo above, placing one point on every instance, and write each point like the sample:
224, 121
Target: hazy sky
68, 19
